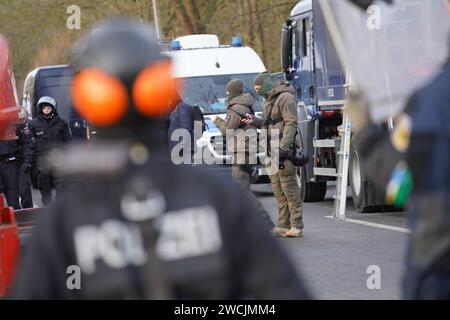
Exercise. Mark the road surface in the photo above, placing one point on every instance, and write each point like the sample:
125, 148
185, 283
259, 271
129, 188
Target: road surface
334, 256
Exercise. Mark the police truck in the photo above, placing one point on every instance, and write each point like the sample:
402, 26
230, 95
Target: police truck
310, 62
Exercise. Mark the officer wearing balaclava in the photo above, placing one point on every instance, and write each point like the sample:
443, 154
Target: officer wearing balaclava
242, 141
280, 119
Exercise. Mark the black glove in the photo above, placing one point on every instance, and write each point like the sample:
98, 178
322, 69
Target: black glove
27, 167
251, 170
283, 155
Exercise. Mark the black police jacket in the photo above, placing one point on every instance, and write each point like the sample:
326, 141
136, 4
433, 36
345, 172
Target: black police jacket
22, 147
49, 133
182, 117
152, 231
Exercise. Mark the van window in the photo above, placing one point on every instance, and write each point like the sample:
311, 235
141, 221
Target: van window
306, 37
302, 39
210, 92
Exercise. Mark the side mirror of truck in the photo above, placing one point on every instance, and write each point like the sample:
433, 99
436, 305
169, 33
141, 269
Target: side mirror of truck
286, 48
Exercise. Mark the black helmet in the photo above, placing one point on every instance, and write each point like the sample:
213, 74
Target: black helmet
121, 79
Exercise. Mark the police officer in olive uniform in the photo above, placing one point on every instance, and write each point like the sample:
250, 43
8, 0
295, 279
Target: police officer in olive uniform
280, 113
9, 164
242, 143
49, 131
135, 225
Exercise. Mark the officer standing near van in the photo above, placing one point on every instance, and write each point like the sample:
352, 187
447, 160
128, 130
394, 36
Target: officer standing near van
49, 131
135, 225
182, 117
243, 143
280, 113
9, 163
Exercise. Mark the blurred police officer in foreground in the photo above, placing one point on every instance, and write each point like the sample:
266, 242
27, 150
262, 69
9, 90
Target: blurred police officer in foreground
10, 151
280, 113
135, 225
413, 163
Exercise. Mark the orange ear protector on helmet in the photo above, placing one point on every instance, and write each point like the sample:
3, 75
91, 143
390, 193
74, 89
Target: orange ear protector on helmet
102, 99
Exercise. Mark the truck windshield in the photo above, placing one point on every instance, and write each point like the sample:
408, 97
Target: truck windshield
210, 93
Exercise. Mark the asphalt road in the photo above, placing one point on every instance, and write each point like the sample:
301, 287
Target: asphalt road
334, 256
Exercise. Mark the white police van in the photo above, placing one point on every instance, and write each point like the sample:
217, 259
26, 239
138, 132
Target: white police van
206, 67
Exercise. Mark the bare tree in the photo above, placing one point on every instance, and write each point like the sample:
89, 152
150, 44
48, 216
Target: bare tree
257, 28
39, 22
183, 17
194, 15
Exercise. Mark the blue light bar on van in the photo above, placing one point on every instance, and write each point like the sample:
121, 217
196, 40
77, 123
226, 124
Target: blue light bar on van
236, 42
175, 45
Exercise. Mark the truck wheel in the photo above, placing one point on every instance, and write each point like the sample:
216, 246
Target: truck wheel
359, 186
310, 191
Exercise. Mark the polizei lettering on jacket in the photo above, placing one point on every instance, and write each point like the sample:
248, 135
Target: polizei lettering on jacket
188, 233
184, 233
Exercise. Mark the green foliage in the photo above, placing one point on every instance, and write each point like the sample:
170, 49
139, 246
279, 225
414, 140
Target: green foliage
39, 36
